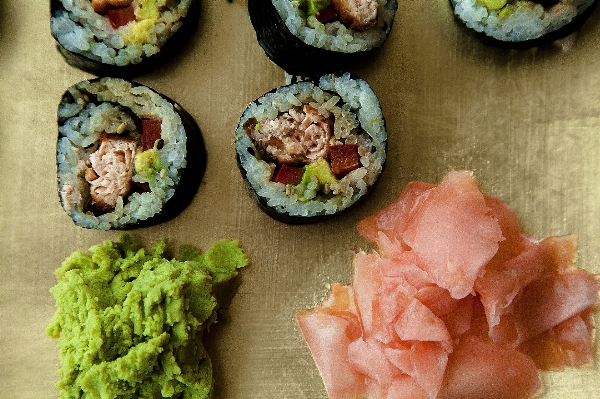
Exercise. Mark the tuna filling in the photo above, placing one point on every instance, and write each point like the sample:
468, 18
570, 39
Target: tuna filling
111, 172
293, 138
359, 15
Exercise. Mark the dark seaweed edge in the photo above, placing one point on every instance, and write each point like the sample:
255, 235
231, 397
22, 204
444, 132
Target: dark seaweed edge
296, 220
549, 37
189, 183
289, 52
172, 46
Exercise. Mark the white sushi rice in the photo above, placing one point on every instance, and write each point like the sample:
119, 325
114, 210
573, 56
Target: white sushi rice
79, 29
358, 120
335, 36
519, 20
81, 121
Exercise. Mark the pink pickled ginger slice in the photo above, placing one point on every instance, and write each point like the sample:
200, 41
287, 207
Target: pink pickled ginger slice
367, 357
418, 323
536, 291
499, 286
478, 370
567, 345
454, 233
405, 387
425, 362
393, 219
549, 301
328, 333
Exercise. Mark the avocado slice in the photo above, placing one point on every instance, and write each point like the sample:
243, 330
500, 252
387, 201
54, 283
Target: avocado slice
315, 176
493, 4
147, 163
319, 169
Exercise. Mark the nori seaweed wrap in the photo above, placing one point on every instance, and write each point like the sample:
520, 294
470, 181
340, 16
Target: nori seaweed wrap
311, 150
120, 38
126, 155
522, 23
316, 37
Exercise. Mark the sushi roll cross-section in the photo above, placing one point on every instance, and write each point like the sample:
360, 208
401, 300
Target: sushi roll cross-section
310, 150
523, 23
315, 37
120, 37
126, 155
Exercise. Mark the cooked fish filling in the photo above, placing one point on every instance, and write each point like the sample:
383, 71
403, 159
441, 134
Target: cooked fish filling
359, 15
111, 172
292, 138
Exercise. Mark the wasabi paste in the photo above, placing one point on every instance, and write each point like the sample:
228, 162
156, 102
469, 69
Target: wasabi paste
129, 322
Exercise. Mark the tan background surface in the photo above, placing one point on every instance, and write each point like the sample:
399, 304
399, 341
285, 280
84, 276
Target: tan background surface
527, 122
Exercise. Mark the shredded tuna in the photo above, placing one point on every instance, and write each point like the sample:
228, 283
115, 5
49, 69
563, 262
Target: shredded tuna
111, 171
294, 137
359, 15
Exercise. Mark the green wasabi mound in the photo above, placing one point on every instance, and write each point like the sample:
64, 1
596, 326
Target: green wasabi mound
129, 322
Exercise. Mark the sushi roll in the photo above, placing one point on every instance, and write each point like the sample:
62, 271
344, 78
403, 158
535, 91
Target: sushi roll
126, 155
316, 37
311, 150
120, 38
523, 23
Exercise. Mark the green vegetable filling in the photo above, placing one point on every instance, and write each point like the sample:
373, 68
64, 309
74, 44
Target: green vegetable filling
316, 177
147, 163
313, 7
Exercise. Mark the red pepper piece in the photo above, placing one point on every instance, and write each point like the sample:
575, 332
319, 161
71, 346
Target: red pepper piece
288, 174
344, 159
326, 14
120, 16
151, 129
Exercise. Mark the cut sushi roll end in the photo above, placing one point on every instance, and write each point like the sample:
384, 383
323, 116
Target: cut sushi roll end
311, 150
120, 38
315, 37
126, 155
523, 23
